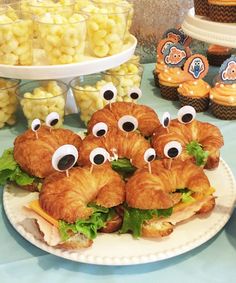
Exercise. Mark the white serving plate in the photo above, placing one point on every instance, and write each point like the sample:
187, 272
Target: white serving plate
114, 249
89, 65
203, 29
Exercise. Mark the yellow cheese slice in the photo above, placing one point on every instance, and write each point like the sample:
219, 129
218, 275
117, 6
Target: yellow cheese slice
34, 205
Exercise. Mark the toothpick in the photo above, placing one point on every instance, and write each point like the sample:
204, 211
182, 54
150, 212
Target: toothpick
149, 167
110, 105
169, 164
91, 168
36, 135
50, 129
67, 173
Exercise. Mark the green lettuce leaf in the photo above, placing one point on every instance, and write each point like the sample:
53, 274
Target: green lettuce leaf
10, 170
123, 167
195, 149
134, 219
89, 227
186, 195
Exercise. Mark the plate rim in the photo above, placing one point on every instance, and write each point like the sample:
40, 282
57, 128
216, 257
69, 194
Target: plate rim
131, 260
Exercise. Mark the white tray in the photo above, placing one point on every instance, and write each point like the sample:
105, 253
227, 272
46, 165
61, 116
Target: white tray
203, 29
114, 249
88, 66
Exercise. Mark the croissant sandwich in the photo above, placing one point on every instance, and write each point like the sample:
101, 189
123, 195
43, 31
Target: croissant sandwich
74, 208
158, 200
30, 159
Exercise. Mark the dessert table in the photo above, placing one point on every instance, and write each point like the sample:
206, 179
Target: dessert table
213, 261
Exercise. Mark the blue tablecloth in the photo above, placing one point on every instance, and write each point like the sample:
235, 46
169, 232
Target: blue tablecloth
214, 261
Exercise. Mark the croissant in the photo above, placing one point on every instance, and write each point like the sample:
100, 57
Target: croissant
129, 145
206, 134
34, 155
66, 198
110, 114
159, 190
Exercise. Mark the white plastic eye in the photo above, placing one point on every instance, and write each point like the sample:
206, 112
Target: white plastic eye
135, 93
64, 157
35, 125
100, 129
186, 114
108, 92
52, 119
149, 155
98, 156
172, 149
128, 123
165, 121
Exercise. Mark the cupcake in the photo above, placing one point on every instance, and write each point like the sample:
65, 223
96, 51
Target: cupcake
194, 93
201, 7
159, 67
169, 79
223, 11
223, 94
223, 101
217, 54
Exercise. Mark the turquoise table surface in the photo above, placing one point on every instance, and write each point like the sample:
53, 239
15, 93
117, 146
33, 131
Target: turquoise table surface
214, 261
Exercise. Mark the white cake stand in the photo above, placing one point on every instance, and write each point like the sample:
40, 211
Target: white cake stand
89, 65
203, 29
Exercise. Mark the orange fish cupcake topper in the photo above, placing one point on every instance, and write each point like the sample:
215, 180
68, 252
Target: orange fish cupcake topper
175, 55
196, 66
228, 71
185, 40
174, 34
162, 45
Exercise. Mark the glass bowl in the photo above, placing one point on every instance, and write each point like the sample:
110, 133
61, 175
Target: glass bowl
40, 98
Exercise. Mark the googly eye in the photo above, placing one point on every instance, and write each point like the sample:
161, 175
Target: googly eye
172, 149
100, 129
128, 123
35, 125
108, 92
64, 157
149, 155
165, 121
52, 119
98, 156
186, 114
135, 93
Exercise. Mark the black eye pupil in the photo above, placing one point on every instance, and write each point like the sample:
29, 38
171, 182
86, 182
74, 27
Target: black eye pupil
108, 95
151, 158
128, 126
173, 152
36, 127
134, 95
54, 122
187, 117
166, 122
98, 159
101, 133
66, 162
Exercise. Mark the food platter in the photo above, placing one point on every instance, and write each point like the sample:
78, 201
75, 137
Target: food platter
203, 29
114, 249
89, 65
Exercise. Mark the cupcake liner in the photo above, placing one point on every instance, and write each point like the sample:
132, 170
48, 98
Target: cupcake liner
201, 7
223, 112
222, 14
156, 79
217, 59
199, 104
169, 92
